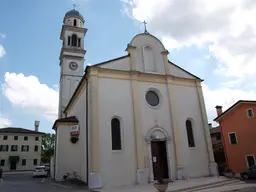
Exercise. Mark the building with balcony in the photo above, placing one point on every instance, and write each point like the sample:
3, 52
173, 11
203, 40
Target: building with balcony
217, 146
20, 149
238, 130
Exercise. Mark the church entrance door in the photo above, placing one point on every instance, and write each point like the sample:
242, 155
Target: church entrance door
159, 160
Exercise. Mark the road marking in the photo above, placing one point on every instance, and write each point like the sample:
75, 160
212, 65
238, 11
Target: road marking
61, 185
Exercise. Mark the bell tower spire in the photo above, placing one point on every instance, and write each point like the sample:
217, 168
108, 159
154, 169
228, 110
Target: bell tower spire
71, 56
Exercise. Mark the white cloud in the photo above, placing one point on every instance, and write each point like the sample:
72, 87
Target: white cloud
225, 97
4, 122
3, 36
228, 27
2, 51
27, 92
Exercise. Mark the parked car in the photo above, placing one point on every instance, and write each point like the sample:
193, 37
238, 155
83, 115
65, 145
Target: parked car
40, 171
47, 166
249, 173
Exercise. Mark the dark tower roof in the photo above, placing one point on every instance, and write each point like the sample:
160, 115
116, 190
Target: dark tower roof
74, 13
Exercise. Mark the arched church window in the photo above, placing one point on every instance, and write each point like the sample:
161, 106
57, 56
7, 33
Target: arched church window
75, 22
189, 128
149, 59
74, 40
116, 134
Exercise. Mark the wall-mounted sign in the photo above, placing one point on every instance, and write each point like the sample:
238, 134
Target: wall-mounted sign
74, 130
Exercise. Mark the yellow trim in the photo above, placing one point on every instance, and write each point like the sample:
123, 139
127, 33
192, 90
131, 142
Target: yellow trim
126, 75
137, 121
205, 124
95, 140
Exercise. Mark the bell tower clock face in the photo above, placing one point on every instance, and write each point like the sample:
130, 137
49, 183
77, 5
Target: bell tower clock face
73, 65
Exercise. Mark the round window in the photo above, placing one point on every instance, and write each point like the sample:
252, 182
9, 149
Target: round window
152, 98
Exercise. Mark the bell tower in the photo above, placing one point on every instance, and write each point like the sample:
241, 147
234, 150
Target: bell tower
71, 57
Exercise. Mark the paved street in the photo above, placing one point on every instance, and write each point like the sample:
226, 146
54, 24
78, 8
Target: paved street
245, 190
25, 183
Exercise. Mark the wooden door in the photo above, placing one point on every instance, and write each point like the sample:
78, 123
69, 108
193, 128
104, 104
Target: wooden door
159, 160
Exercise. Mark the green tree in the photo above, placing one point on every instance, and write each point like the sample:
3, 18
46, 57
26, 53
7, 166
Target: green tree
48, 144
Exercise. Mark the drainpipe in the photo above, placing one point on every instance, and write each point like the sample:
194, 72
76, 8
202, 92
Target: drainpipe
87, 142
54, 169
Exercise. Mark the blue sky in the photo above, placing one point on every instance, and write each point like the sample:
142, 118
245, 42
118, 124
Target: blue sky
30, 30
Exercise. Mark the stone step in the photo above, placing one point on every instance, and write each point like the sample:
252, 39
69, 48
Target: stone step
213, 186
206, 186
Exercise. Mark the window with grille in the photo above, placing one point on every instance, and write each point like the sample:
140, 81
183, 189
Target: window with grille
4, 148
35, 148
14, 148
2, 162
24, 162
25, 148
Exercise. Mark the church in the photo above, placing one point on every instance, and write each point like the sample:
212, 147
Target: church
130, 120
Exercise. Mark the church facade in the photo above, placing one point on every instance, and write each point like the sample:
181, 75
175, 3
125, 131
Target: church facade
130, 120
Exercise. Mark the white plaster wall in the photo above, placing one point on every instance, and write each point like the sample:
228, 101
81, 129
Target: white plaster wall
187, 106
79, 110
69, 80
160, 115
139, 42
120, 64
175, 71
29, 156
72, 157
118, 168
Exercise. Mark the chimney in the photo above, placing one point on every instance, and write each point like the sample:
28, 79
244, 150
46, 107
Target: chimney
218, 110
210, 125
37, 125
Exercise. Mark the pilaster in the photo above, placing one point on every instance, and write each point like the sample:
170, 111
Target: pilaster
205, 123
211, 161
166, 62
132, 52
95, 180
141, 170
180, 173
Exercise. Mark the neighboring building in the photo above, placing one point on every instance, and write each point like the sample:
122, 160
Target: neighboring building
238, 127
20, 149
217, 146
134, 118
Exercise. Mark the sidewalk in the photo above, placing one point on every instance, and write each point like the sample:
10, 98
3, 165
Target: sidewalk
177, 185
17, 172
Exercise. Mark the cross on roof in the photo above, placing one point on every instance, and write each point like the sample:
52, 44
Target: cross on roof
74, 6
145, 26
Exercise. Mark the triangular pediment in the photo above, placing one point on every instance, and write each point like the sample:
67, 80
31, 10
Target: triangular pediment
177, 71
